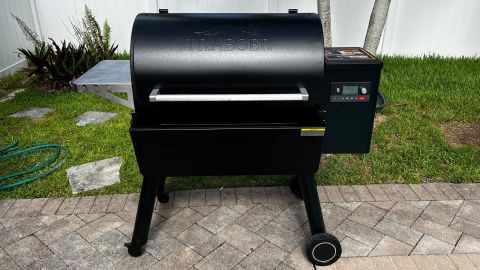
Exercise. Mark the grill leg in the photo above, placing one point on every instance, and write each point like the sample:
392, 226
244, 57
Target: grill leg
144, 216
322, 248
162, 196
308, 185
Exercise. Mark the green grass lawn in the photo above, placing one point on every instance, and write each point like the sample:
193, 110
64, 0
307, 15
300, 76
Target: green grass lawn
12, 82
408, 145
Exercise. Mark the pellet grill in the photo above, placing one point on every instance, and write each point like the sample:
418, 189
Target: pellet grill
244, 94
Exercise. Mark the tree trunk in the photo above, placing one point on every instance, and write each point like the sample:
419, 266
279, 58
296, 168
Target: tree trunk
376, 24
324, 13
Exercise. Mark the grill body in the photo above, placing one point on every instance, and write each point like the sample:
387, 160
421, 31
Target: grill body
245, 94
226, 54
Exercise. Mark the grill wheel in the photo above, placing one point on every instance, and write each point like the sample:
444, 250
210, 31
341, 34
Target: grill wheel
163, 197
323, 249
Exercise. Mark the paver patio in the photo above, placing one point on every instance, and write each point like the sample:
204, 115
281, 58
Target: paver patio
424, 226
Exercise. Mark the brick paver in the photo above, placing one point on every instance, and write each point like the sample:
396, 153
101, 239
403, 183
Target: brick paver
72, 248
18, 208
322, 195
212, 197
430, 245
391, 247
243, 196
333, 194
35, 206
416, 226
421, 192
378, 193
392, 192
348, 193
101, 204
363, 193
404, 213
27, 251
5, 206
84, 205
273, 195
197, 197
227, 196
435, 191
68, 205
117, 203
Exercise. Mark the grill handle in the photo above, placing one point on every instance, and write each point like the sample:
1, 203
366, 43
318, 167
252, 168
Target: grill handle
156, 96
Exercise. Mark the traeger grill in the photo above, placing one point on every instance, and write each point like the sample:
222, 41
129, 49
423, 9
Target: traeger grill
244, 94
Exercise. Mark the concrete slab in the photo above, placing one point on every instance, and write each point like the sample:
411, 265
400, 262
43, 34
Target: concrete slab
33, 113
95, 174
94, 117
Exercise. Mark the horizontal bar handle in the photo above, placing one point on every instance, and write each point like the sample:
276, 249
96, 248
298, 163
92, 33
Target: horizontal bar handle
156, 96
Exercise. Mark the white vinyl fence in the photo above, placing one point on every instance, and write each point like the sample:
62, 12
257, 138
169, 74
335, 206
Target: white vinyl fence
414, 27
11, 37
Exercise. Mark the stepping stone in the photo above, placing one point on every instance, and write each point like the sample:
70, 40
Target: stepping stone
95, 174
94, 117
11, 95
33, 113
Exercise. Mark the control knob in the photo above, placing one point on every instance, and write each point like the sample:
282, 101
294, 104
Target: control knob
363, 90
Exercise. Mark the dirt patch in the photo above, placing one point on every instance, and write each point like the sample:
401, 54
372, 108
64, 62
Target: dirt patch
379, 118
462, 134
40, 120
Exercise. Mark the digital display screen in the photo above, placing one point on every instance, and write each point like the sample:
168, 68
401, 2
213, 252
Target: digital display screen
350, 90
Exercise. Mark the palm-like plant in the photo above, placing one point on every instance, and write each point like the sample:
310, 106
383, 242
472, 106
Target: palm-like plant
38, 58
58, 64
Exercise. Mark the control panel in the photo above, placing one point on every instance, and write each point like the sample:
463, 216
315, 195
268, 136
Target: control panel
350, 92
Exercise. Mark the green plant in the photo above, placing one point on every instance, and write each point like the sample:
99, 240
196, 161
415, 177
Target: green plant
122, 56
37, 59
95, 39
55, 65
68, 62
12, 82
29, 33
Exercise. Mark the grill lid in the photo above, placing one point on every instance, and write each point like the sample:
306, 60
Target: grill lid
226, 53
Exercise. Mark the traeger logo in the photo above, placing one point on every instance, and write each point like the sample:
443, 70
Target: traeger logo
217, 39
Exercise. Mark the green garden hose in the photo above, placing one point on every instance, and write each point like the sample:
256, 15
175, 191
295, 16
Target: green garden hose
13, 150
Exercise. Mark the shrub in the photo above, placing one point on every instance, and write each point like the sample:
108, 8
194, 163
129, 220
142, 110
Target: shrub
122, 56
54, 65
68, 61
30, 35
96, 40
37, 59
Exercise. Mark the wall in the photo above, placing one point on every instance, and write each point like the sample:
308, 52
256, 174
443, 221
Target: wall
229, 6
414, 27
443, 27
56, 16
11, 37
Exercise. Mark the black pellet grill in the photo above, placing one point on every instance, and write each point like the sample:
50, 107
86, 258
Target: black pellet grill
245, 94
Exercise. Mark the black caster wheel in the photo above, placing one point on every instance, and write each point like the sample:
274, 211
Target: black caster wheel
163, 198
133, 251
295, 187
323, 249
